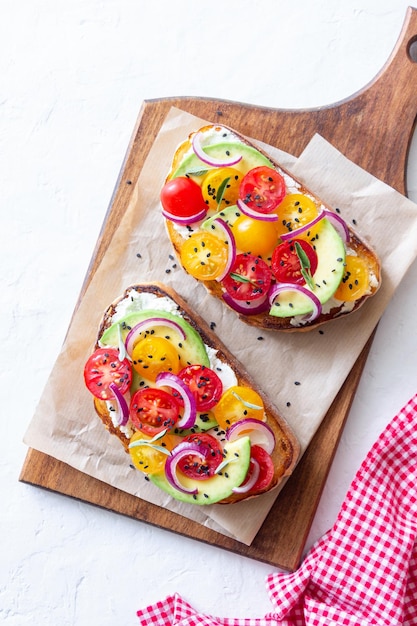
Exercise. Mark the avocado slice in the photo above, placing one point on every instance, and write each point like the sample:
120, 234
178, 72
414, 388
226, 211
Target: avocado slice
217, 487
229, 215
331, 257
204, 421
191, 349
251, 157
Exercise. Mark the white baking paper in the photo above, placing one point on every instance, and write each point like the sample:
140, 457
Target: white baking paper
65, 425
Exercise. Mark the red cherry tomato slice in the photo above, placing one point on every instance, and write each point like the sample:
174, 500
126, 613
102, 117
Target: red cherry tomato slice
182, 197
204, 384
286, 264
192, 466
104, 368
249, 278
262, 189
153, 410
266, 466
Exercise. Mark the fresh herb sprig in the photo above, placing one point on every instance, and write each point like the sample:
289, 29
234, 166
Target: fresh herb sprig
221, 190
305, 265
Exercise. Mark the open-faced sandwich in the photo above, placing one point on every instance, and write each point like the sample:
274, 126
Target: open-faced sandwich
184, 408
258, 239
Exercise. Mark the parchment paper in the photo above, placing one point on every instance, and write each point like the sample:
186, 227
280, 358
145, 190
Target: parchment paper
65, 426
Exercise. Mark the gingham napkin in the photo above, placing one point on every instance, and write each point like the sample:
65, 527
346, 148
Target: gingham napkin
363, 571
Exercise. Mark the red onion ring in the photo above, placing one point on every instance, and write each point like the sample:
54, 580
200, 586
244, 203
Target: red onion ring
259, 433
175, 382
252, 480
337, 222
150, 322
298, 231
231, 245
191, 219
253, 307
264, 217
203, 156
282, 287
180, 451
122, 407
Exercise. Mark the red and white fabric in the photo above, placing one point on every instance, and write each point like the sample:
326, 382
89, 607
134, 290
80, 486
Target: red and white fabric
362, 572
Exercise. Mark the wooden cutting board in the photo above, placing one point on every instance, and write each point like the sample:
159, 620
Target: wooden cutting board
373, 128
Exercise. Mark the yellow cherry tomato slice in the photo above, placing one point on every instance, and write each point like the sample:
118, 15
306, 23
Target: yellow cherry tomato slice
294, 211
238, 403
204, 256
257, 237
154, 355
147, 452
355, 281
220, 187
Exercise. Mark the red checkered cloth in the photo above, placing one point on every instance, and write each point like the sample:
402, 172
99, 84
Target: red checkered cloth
363, 571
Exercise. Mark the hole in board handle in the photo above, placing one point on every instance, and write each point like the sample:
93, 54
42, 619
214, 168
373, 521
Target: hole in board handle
412, 49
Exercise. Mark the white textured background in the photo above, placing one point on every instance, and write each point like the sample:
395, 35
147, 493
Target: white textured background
73, 76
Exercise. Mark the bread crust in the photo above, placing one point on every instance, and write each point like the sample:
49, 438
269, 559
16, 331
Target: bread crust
264, 320
287, 448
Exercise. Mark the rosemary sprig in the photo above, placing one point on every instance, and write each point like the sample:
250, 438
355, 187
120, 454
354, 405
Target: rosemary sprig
242, 279
305, 265
221, 190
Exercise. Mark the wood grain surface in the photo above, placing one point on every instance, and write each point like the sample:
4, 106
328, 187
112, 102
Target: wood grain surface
373, 128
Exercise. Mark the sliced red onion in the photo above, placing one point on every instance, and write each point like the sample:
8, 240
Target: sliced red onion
180, 451
122, 407
264, 217
252, 307
191, 219
259, 433
231, 246
150, 322
167, 379
336, 221
339, 224
282, 287
203, 156
298, 231
252, 480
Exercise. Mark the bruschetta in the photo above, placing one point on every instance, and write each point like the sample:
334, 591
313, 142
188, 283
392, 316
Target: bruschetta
185, 410
269, 248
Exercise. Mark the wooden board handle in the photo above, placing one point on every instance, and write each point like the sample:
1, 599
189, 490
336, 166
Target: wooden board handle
383, 114
372, 127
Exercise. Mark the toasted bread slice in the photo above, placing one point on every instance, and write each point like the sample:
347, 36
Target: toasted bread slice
348, 270
154, 297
